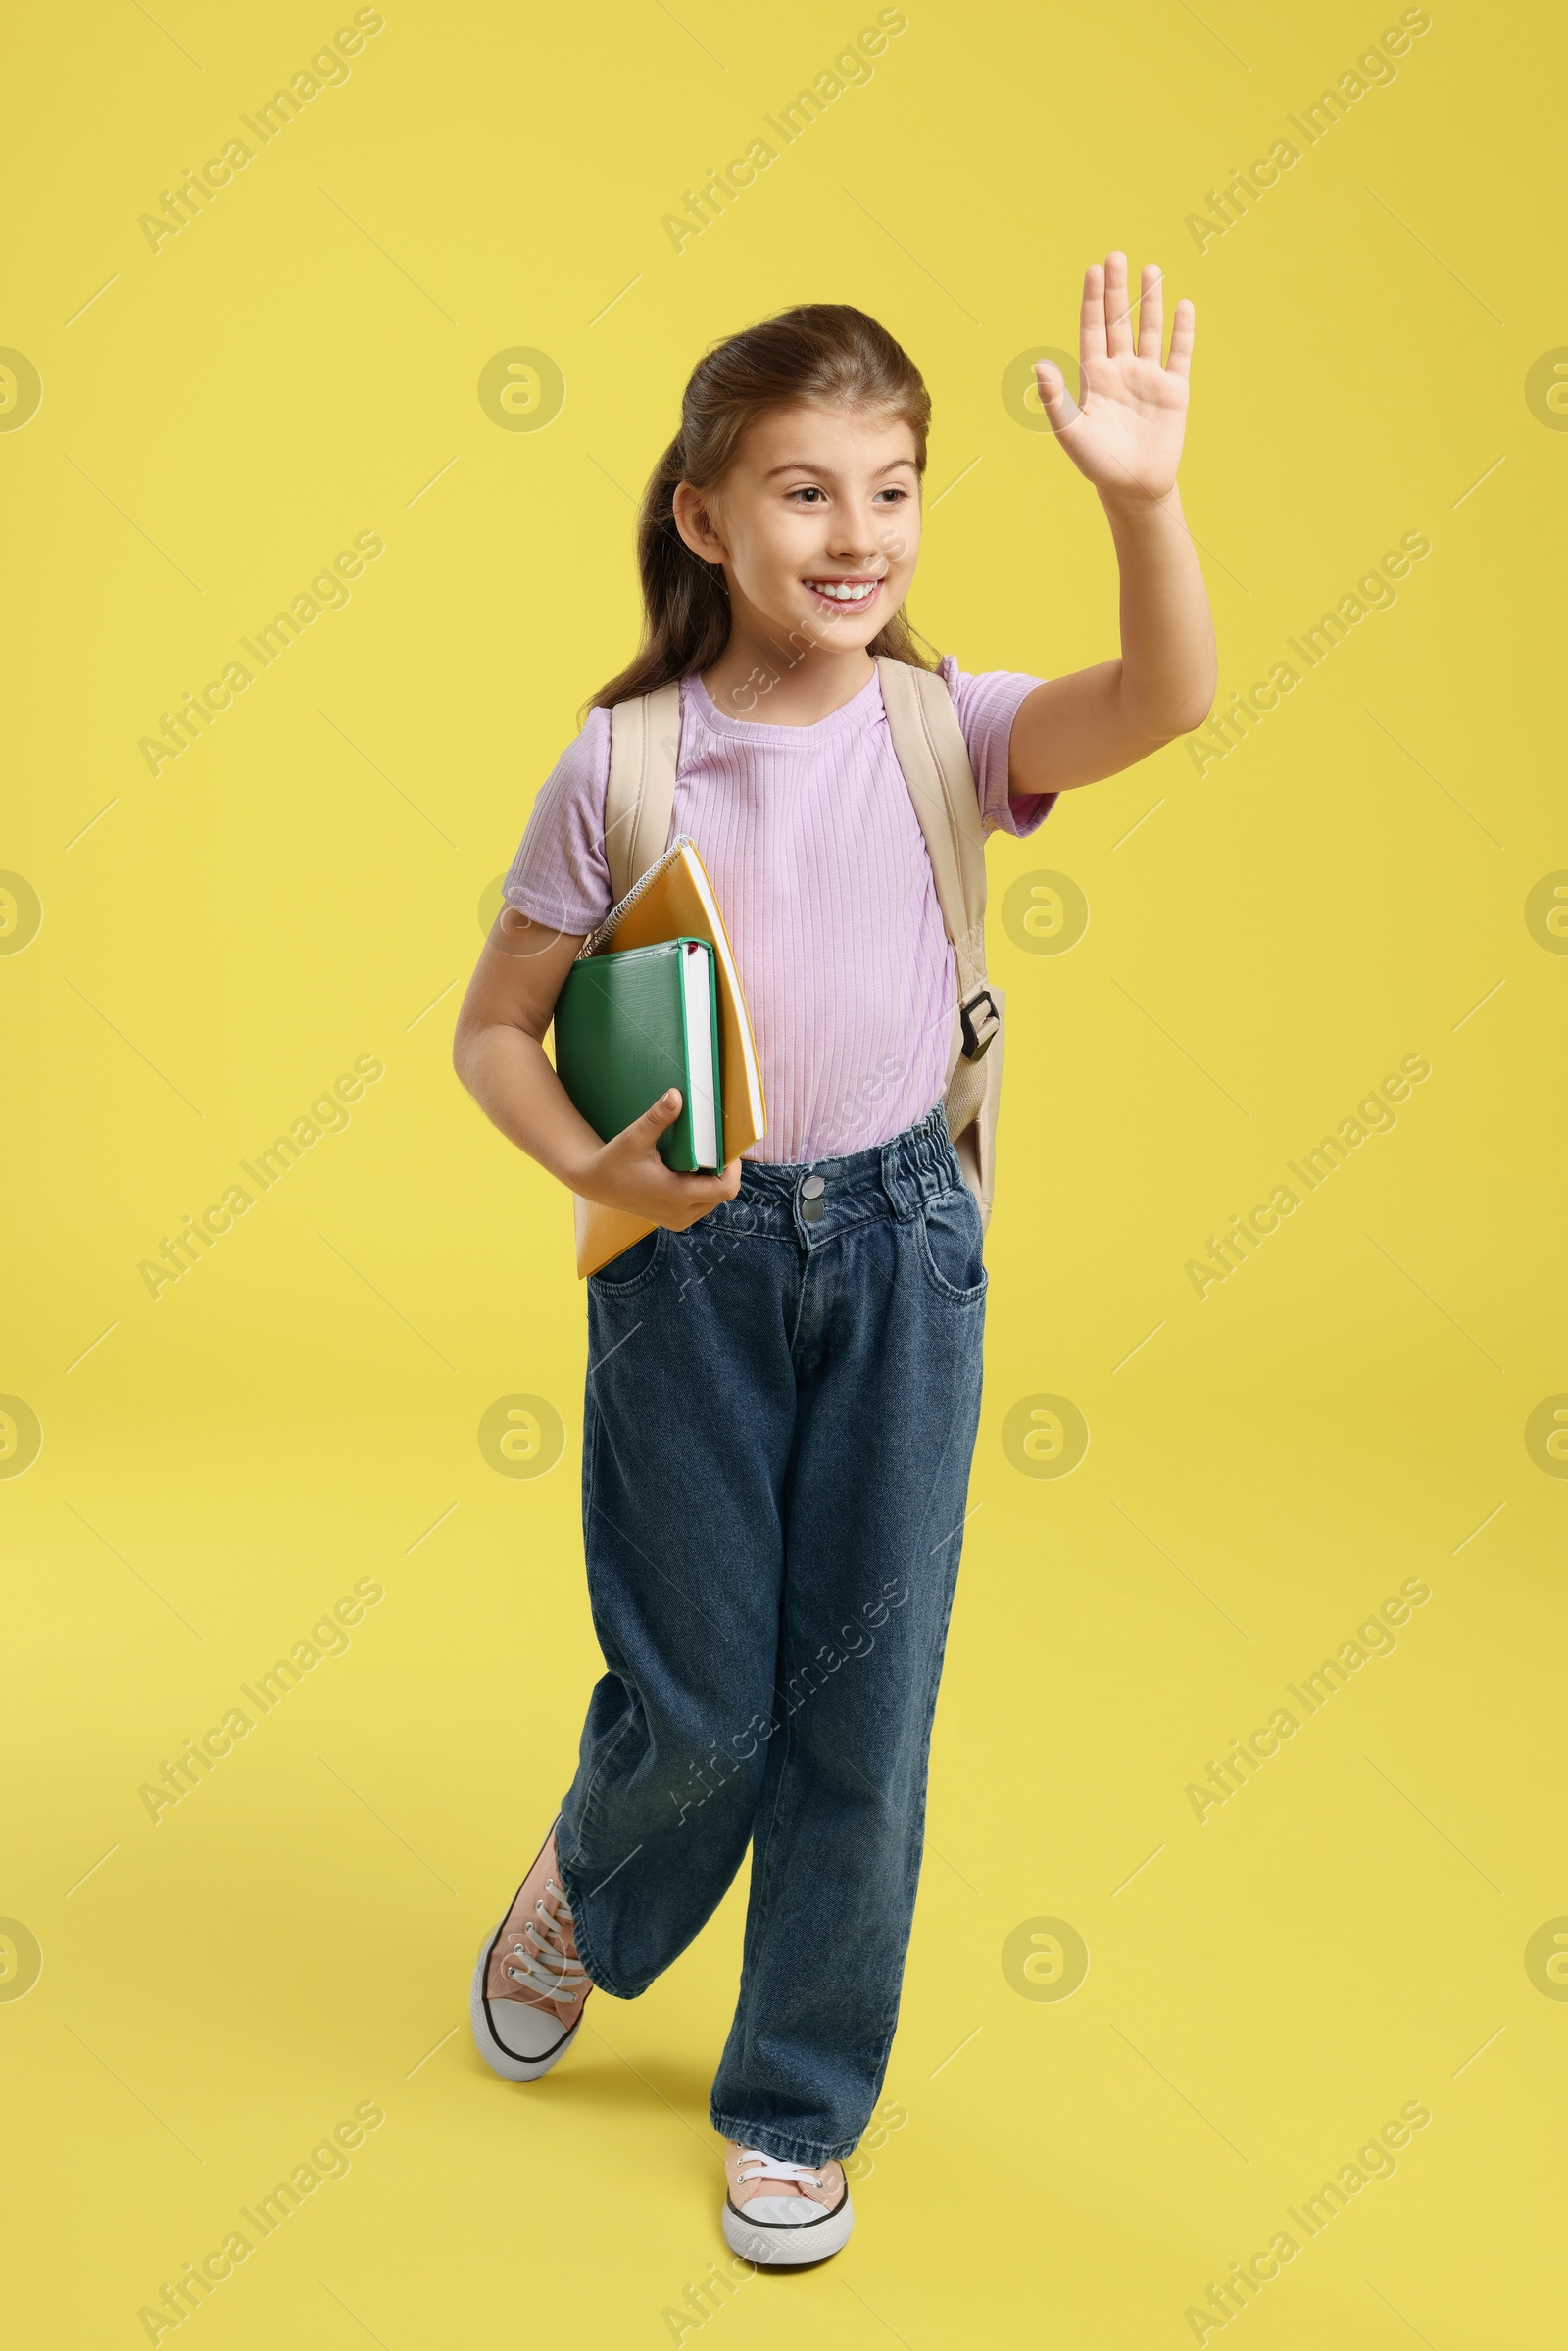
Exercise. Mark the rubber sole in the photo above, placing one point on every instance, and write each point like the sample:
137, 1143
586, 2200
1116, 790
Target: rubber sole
773, 2247
491, 2047
500, 2059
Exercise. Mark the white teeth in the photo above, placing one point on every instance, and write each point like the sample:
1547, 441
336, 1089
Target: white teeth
842, 592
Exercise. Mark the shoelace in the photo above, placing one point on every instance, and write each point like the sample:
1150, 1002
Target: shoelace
548, 1971
755, 2165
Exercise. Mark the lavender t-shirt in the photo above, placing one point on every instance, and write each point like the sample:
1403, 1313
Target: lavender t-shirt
820, 867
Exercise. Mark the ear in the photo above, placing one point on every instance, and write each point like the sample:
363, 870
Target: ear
694, 520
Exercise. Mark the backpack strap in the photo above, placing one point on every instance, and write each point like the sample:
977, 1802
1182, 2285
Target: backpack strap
935, 759
928, 743
640, 797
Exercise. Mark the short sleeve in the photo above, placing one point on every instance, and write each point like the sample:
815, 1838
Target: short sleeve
987, 705
559, 875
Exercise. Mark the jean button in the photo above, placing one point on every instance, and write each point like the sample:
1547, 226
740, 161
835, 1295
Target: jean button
813, 1187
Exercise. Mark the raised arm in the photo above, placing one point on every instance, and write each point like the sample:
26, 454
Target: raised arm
1127, 440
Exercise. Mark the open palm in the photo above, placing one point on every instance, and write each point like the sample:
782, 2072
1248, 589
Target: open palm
1127, 436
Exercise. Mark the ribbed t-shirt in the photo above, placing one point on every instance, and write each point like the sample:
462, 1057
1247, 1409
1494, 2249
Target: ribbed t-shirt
819, 866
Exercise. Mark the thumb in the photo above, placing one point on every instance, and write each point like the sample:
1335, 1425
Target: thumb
1054, 398
663, 1113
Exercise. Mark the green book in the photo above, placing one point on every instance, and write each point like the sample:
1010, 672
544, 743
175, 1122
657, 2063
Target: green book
631, 1024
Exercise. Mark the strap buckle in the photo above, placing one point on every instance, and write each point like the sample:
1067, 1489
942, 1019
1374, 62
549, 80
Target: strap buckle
979, 1034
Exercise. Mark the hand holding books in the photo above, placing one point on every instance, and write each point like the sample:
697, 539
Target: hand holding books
632, 1181
655, 994
629, 1024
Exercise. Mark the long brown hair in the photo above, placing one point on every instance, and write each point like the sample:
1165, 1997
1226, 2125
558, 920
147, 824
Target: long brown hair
824, 352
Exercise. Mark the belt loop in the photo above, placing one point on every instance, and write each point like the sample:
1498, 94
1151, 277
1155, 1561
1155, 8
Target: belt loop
893, 1184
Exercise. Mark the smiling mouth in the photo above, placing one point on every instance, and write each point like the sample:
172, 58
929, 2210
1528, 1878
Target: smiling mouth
844, 595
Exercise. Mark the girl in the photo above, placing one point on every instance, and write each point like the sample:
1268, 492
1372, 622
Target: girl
784, 1376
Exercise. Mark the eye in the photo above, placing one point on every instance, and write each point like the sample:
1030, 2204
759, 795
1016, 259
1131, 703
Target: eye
806, 490
896, 496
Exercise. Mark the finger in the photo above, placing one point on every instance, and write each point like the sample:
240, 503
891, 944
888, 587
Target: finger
1061, 409
1118, 310
1091, 318
698, 1196
1181, 340
699, 1193
645, 1130
1150, 313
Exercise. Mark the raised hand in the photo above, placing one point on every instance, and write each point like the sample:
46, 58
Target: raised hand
1127, 436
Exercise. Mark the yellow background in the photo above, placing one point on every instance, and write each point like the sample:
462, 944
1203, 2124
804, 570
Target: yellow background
221, 1465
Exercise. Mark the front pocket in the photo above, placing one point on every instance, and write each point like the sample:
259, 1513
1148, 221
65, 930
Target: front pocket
951, 1242
631, 1269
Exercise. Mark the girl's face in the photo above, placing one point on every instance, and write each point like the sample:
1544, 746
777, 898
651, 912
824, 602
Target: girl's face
816, 524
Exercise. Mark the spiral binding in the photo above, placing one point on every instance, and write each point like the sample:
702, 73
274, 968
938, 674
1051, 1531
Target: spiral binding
618, 913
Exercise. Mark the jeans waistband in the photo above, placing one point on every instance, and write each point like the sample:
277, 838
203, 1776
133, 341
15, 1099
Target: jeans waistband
811, 1198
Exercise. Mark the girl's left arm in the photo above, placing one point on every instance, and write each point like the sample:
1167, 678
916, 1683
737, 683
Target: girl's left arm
1126, 439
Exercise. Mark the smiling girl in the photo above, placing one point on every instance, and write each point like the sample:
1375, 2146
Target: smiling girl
784, 1376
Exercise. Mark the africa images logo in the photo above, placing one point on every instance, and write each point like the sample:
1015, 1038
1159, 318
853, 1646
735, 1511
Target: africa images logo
1374, 1114
329, 1115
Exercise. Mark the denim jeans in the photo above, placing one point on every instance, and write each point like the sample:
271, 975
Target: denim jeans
781, 1410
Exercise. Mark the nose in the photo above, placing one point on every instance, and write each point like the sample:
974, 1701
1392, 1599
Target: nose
858, 541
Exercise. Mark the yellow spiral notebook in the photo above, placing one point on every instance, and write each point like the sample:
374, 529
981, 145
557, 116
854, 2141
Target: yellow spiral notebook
674, 900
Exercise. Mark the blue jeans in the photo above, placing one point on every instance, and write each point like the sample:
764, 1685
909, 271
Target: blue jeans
781, 1410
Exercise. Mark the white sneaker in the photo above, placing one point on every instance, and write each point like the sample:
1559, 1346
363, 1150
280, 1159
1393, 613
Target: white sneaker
530, 1988
806, 2218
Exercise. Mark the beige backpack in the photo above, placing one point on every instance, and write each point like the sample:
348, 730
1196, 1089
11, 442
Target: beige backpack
644, 747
